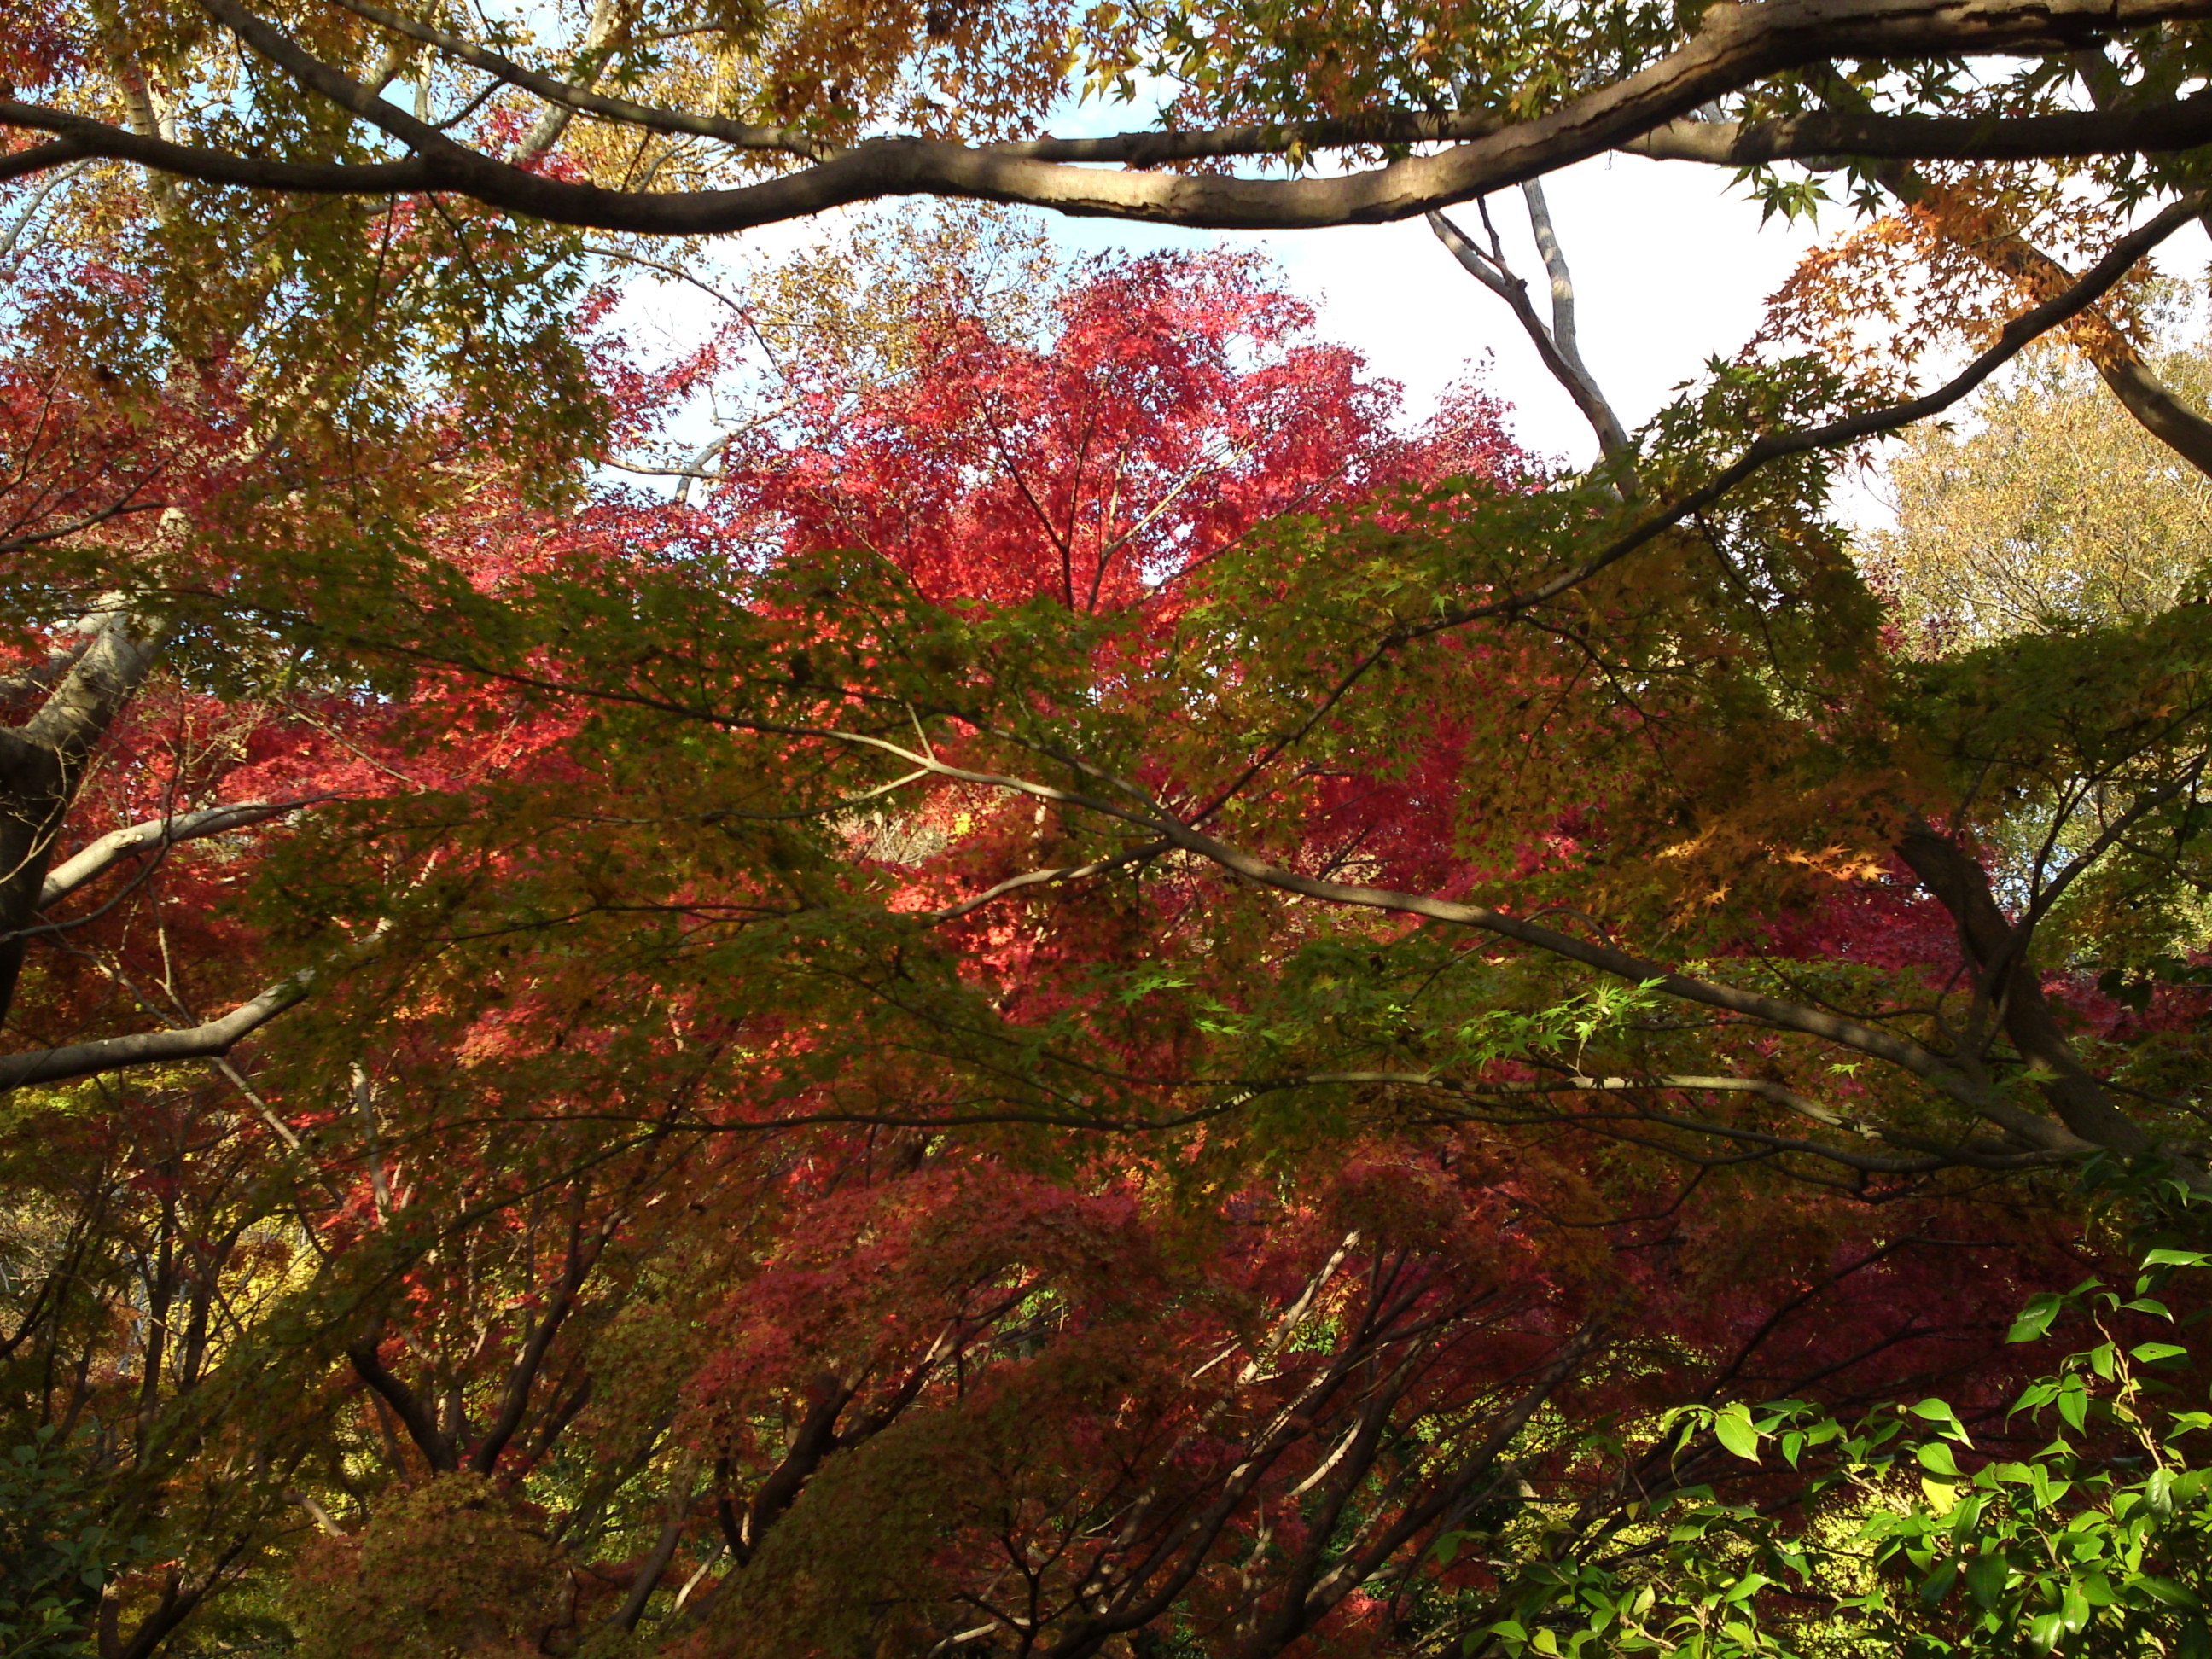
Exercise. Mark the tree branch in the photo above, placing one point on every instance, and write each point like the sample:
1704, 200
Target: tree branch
1833, 137
1734, 46
2154, 405
405, 1403
1991, 948
1558, 351
515, 1403
1934, 1155
204, 1042
95, 858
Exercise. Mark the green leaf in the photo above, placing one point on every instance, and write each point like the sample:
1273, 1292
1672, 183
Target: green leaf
1732, 1428
2074, 1612
1939, 1411
2165, 1590
1935, 1457
1967, 1518
1986, 1578
2035, 1318
1937, 1585
2073, 1403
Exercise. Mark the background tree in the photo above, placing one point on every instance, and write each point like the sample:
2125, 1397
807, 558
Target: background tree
2051, 507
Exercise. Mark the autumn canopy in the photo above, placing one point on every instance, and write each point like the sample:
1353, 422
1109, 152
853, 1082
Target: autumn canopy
978, 955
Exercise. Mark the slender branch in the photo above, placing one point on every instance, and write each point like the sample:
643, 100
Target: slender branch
216, 1037
1936, 1155
1564, 365
2015, 338
2155, 406
738, 135
97, 857
2017, 334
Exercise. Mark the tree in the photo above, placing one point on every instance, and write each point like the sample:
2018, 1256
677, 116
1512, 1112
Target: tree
177, 420
438, 1258
2057, 507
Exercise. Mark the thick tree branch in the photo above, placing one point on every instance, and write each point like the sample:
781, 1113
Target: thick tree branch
1734, 46
1993, 949
1833, 137
815, 1438
405, 1404
42, 759
514, 1403
208, 1041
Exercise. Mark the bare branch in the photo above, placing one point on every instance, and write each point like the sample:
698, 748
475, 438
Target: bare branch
1565, 366
202, 1042
1610, 436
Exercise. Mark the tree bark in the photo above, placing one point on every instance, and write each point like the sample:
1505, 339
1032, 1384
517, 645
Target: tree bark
42, 761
